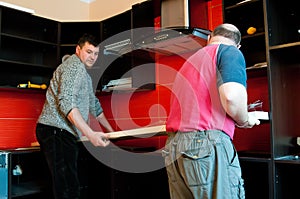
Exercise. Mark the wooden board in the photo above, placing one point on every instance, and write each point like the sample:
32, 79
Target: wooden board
134, 132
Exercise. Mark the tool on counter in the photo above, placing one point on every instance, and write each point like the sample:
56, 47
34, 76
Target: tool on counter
30, 85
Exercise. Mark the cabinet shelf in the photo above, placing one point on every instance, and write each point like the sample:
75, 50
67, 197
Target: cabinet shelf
68, 45
27, 188
254, 154
237, 3
293, 45
289, 159
27, 39
25, 90
258, 34
258, 73
28, 51
266, 159
5, 61
25, 25
15, 72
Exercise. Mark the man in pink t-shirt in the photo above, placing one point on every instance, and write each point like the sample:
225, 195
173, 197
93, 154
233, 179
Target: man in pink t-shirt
209, 99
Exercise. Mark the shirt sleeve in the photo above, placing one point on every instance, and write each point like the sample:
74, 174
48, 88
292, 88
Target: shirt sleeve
69, 87
231, 65
97, 109
95, 105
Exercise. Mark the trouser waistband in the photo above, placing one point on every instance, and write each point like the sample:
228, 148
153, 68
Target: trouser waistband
55, 130
211, 134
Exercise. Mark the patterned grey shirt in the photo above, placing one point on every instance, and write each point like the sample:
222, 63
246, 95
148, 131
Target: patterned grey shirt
70, 87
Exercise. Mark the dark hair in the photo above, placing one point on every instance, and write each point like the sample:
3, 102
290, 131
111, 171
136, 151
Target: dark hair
229, 31
87, 38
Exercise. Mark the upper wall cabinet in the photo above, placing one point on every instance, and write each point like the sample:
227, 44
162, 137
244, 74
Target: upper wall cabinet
31, 47
71, 32
116, 24
122, 66
28, 48
115, 35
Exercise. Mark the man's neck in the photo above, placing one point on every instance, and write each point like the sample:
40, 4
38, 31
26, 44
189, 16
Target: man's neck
221, 40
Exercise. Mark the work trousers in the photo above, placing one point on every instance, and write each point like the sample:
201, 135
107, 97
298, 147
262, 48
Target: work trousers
61, 152
203, 165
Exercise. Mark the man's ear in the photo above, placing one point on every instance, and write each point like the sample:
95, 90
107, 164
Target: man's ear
208, 39
77, 49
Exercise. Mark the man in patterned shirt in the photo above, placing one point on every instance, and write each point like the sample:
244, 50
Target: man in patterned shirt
69, 100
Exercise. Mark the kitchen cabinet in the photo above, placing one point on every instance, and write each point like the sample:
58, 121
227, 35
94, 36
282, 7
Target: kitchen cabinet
271, 52
105, 179
115, 64
283, 25
28, 48
100, 179
147, 185
120, 60
31, 47
24, 173
253, 46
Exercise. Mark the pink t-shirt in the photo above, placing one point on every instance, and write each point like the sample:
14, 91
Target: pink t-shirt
195, 101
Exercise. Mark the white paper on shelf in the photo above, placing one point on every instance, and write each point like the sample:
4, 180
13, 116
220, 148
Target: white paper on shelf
121, 81
261, 115
118, 84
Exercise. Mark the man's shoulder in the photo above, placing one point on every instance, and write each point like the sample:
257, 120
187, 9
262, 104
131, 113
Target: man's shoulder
72, 64
230, 48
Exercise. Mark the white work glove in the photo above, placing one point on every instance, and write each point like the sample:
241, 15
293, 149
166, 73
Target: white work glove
252, 120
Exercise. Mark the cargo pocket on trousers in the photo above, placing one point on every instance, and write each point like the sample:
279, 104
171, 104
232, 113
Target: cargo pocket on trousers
198, 163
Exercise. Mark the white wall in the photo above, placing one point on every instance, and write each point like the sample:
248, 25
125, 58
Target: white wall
75, 10
102, 9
